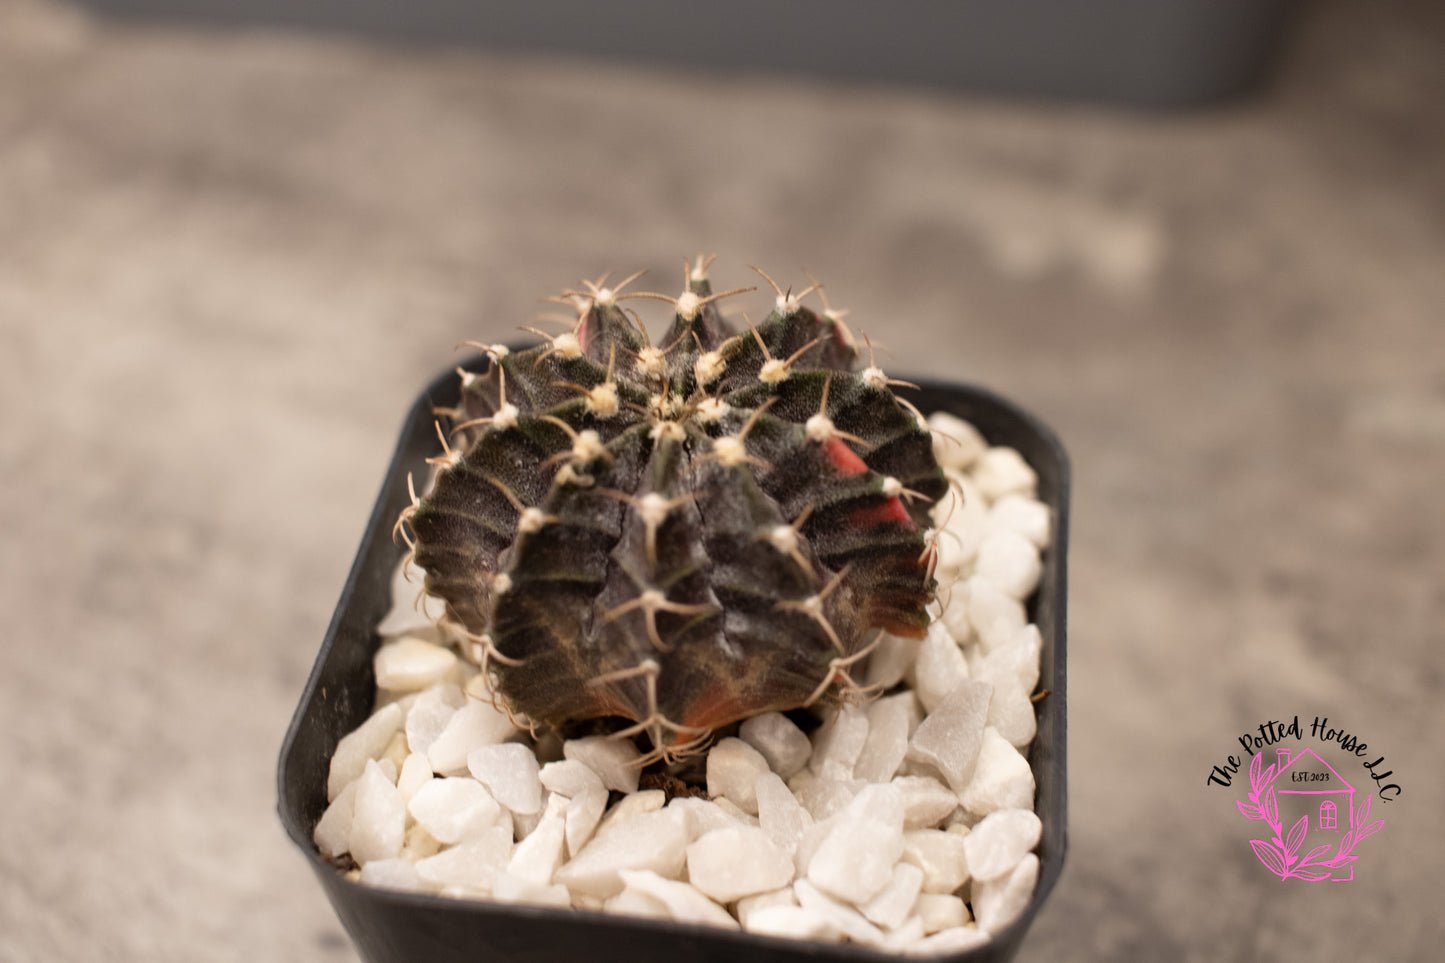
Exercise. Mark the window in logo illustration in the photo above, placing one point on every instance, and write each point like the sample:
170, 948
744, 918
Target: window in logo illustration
1326, 821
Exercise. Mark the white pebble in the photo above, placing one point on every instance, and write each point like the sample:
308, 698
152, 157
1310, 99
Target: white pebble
960, 821
1028, 517
395, 873
455, 809
474, 725
939, 911
926, 801
998, 902
733, 768
406, 613
410, 664
849, 921
956, 443
952, 606
793, 922
838, 743
736, 814
616, 761
368, 741
809, 843
856, 858
430, 713
995, 615
1012, 714
904, 935
785, 747
584, 812
940, 667
780, 815
403, 700
955, 939
1002, 471
684, 902
890, 721
893, 903
655, 841
629, 902
378, 825
470, 866
823, 797
507, 888
524, 824
333, 830
940, 855
419, 844
1011, 562
1019, 659
567, 777
950, 737
396, 750
537, 857
890, 661
510, 773
476, 685
963, 516
751, 904
728, 864
703, 815
630, 807
1001, 780
415, 773
1000, 840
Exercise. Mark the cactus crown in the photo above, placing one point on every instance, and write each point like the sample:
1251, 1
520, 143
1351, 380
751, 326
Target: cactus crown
682, 533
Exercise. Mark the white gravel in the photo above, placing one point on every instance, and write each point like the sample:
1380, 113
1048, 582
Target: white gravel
905, 824
728, 864
782, 744
733, 768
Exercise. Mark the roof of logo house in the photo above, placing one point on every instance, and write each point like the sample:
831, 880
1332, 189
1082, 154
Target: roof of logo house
1294, 758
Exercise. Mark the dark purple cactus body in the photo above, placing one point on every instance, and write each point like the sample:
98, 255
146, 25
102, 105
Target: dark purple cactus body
682, 534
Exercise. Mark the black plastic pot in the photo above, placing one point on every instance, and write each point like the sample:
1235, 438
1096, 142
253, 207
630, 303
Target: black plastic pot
389, 927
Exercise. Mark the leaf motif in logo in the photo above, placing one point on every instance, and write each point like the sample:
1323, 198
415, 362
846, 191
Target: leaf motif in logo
1315, 853
1362, 812
1370, 830
1256, 767
1313, 875
1268, 855
1249, 812
1271, 807
1295, 838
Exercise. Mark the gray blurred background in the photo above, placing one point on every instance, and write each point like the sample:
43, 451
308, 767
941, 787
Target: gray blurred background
231, 254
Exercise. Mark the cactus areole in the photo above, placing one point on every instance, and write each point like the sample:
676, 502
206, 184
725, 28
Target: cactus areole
683, 533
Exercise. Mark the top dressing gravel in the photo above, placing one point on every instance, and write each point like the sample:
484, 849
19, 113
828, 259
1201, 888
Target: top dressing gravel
903, 823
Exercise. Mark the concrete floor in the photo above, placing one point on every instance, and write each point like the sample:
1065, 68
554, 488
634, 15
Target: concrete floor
228, 262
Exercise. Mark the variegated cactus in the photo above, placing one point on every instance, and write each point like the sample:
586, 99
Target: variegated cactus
684, 533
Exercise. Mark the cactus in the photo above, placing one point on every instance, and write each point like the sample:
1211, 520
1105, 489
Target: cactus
680, 534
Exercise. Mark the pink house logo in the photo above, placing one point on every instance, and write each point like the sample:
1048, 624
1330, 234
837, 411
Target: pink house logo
1302, 791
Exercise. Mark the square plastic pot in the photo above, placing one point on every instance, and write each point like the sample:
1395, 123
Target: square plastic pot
391, 927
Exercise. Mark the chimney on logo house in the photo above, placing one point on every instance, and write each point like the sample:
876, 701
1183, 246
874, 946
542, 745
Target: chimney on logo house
1283, 759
